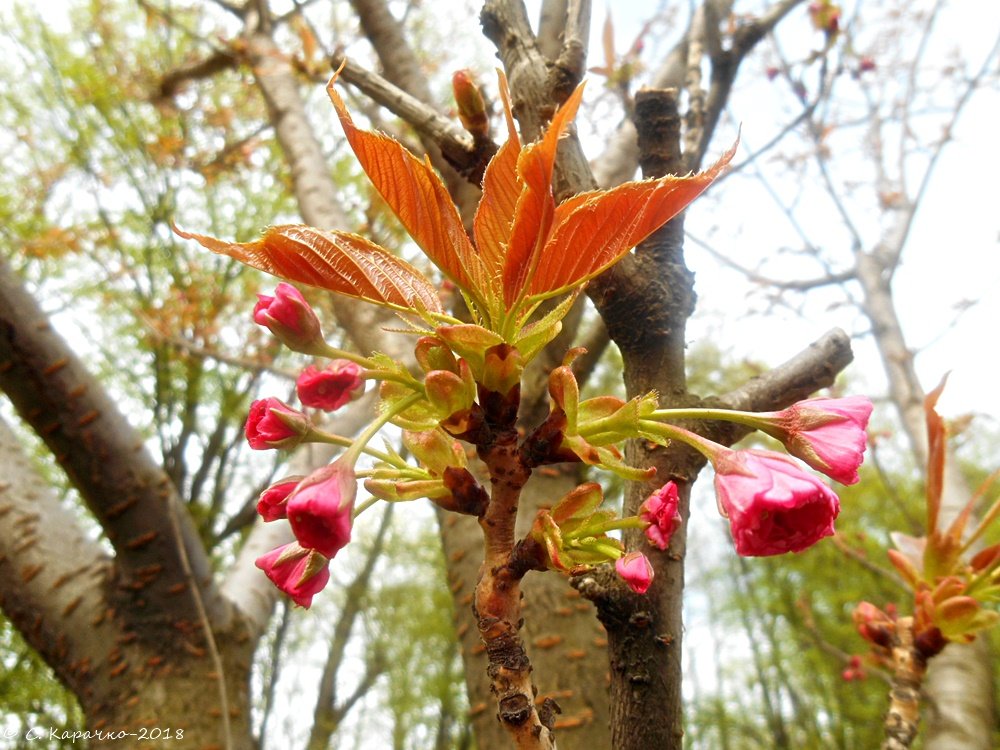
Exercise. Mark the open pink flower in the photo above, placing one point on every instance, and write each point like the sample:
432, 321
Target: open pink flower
332, 387
320, 509
300, 573
272, 423
290, 318
773, 506
660, 511
271, 503
635, 570
827, 433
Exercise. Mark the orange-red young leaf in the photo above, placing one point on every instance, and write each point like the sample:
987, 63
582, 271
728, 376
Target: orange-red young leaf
501, 189
419, 199
937, 436
536, 205
337, 261
594, 231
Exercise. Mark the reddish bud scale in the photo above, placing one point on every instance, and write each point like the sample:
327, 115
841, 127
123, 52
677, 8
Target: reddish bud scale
468, 495
471, 107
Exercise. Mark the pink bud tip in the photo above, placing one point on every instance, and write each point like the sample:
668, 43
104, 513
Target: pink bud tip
636, 571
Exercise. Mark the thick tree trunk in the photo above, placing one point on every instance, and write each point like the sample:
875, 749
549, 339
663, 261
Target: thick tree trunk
139, 672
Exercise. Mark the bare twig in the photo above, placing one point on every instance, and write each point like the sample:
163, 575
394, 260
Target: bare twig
861, 559
216, 62
797, 285
456, 145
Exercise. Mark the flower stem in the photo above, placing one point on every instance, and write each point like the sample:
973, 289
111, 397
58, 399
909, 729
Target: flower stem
319, 436
629, 522
704, 446
360, 443
757, 420
363, 506
331, 352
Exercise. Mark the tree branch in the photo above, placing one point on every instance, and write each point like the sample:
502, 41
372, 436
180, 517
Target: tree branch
457, 146
219, 60
101, 453
52, 577
568, 68
403, 68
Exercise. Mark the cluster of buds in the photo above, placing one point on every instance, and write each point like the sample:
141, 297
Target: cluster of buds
319, 507
953, 586
825, 16
855, 670
526, 249
469, 391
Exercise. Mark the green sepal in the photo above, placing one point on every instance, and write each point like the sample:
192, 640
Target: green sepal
435, 449
536, 336
606, 458
420, 416
578, 504
605, 420
469, 342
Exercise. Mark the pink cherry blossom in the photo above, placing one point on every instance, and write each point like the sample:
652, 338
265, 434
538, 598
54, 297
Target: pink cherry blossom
635, 570
773, 506
271, 503
332, 387
827, 433
320, 509
289, 317
300, 573
660, 511
272, 423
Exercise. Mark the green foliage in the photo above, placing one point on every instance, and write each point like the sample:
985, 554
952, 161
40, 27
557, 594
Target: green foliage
413, 627
31, 696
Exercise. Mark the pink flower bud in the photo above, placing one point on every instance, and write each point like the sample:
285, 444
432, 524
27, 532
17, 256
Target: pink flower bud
855, 670
772, 505
320, 509
636, 571
290, 318
274, 424
827, 433
299, 572
332, 387
271, 503
660, 511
